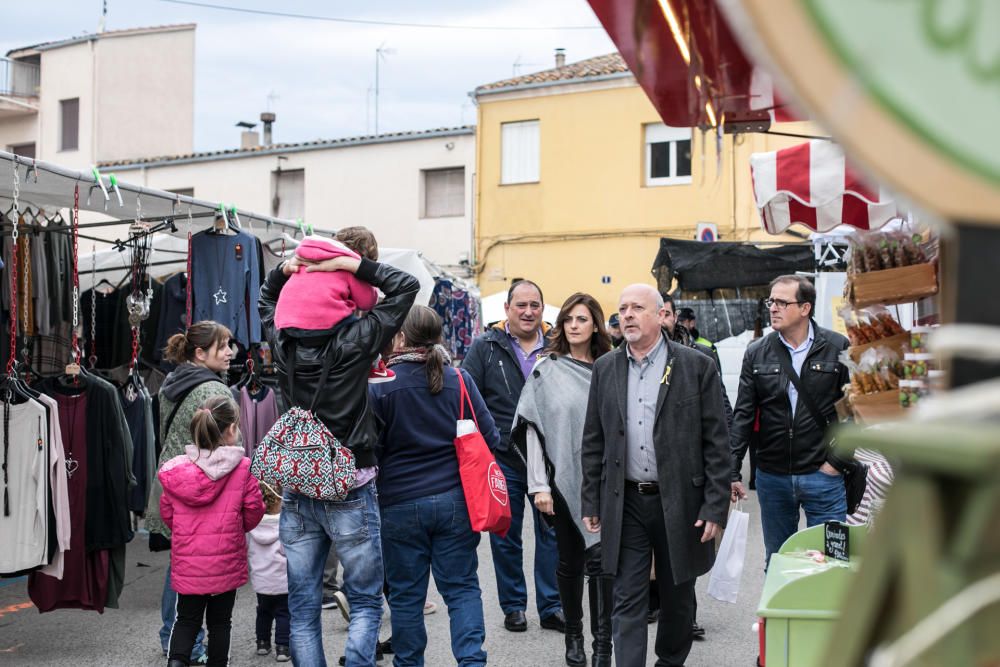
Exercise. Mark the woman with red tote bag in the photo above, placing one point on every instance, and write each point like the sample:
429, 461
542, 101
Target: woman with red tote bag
426, 525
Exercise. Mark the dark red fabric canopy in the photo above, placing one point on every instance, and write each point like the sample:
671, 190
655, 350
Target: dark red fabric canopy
685, 57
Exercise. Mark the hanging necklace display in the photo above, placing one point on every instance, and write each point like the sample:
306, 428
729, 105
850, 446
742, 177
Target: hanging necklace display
220, 252
93, 306
69, 437
73, 368
137, 301
221, 295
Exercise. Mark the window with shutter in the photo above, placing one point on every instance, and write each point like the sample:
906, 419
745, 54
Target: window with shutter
444, 192
69, 113
288, 194
519, 160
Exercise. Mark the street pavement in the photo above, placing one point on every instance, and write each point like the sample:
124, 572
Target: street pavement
128, 636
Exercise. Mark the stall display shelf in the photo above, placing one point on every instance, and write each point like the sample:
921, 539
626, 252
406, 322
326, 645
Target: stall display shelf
893, 286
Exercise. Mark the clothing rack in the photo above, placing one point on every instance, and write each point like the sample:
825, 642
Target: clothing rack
43, 184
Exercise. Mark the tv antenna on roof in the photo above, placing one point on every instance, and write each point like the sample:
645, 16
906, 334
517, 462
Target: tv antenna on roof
380, 53
104, 17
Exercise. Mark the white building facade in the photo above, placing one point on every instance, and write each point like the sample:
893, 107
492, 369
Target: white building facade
107, 96
124, 101
412, 189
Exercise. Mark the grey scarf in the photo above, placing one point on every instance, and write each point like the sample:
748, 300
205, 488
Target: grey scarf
554, 404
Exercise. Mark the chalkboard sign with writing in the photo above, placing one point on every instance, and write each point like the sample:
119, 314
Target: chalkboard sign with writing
836, 541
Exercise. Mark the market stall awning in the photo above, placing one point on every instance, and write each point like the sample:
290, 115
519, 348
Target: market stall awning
43, 185
813, 185
701, 266
684, 55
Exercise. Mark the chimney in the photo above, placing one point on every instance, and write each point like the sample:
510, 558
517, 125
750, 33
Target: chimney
267, 118
560, 57
248, 137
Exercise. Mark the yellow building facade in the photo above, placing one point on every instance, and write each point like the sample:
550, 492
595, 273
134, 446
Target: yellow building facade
585, 213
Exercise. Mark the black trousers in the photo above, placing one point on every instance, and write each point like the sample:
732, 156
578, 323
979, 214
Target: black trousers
575, 560
272, 609
569, 542
643, 539
217, 612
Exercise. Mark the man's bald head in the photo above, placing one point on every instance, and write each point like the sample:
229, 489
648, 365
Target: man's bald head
639, 310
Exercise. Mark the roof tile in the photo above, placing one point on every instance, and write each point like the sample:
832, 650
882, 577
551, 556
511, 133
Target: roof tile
611, 63
332, 143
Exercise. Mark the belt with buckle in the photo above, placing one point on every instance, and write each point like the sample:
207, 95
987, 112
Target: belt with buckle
644, 488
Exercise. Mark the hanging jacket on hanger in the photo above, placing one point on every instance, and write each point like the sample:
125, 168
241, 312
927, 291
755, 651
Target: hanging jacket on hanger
258, 412
84, 583
173, 313
227, 279
108, 523
59, 487
24, 515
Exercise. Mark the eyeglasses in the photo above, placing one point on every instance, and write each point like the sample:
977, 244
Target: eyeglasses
780, 303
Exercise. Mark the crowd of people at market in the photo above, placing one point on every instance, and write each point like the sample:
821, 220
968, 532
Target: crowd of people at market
617, 432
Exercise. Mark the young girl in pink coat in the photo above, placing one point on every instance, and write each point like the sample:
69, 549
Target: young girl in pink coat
210, 501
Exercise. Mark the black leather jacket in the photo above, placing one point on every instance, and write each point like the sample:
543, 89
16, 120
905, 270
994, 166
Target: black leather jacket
355, 343
788, 446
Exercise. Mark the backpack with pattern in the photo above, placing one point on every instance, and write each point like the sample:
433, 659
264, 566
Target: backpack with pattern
300, 453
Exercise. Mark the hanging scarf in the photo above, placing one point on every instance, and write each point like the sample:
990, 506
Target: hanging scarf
417, 354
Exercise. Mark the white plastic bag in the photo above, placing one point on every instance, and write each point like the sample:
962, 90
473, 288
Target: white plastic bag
724, 581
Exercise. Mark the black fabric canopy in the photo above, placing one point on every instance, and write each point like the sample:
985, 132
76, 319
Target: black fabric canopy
707, 266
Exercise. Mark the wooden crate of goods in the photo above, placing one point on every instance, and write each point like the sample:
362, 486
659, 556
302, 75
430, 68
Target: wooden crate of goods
891, 286
875, 408
900, 343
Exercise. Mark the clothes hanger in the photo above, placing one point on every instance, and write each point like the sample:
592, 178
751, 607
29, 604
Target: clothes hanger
13, 387
104, 286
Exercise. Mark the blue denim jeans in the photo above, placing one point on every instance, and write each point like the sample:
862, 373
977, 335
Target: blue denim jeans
307, 529
428, 534
168, 612
508, 559
821, 496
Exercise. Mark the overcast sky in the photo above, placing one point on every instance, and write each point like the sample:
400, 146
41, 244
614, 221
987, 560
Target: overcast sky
321, 72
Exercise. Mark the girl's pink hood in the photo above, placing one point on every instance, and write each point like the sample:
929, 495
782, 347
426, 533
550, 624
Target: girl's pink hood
317, 249
197, 485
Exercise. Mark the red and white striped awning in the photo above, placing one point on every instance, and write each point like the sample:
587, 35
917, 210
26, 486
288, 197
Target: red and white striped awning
811, 184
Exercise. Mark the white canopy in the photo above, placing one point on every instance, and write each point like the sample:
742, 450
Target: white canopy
492, 309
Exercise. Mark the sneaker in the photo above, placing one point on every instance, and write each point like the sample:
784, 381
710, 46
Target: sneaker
263, 647
200, 660
429, 608
281, 653
380, 373
339, 600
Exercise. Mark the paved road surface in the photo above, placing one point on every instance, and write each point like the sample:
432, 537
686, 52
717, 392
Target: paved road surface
128, 636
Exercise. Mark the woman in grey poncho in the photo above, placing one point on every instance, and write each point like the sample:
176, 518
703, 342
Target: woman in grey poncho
548, 432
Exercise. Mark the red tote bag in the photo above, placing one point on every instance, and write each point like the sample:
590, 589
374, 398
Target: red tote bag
483, 482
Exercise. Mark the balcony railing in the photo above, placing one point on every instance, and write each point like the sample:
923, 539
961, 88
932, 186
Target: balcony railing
19, 79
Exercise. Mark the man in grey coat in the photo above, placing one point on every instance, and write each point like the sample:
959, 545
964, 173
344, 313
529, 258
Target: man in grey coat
655, 476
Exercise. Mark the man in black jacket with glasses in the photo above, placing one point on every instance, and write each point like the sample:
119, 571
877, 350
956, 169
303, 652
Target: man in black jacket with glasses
795, 467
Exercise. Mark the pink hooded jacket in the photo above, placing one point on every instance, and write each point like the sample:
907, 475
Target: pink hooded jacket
210, 500
319, 300
268, 564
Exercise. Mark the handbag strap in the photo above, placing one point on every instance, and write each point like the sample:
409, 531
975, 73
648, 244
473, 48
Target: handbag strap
463, 398
324, 373
785, 359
